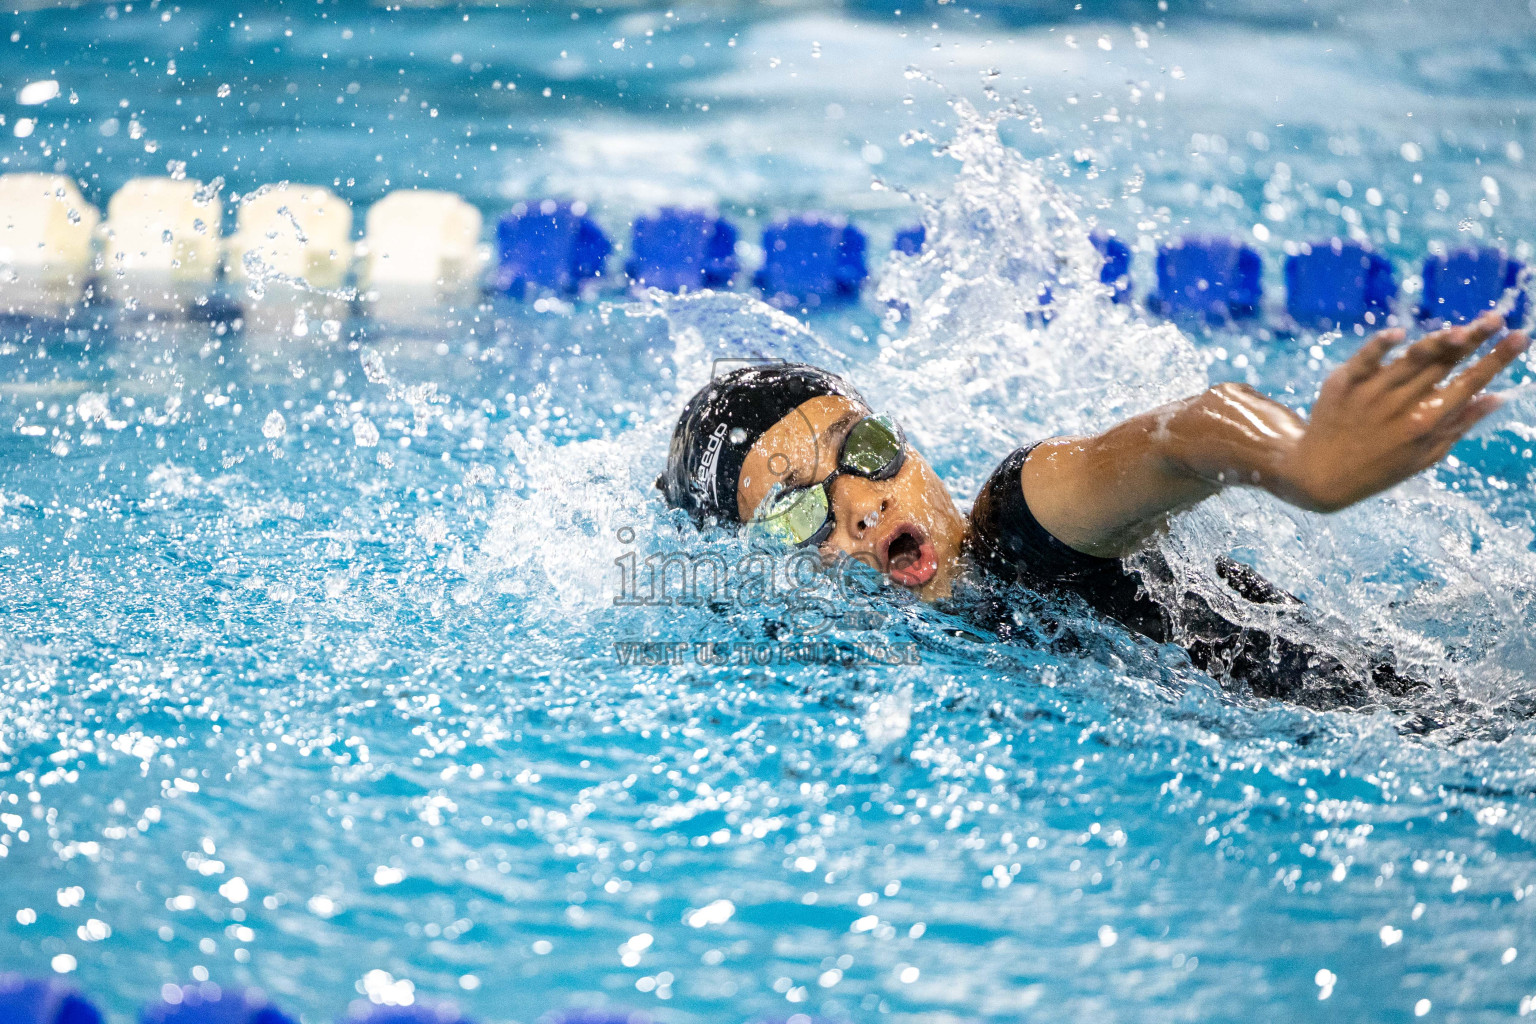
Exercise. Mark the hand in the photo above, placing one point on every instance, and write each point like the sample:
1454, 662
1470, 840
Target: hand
1375, 425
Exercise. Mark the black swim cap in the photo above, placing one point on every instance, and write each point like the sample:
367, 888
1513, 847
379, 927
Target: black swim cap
722, 422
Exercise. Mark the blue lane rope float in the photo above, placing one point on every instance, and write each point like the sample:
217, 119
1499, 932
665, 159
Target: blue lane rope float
1338, 284
52, 1001
909, 241
1213, 279
416, 1013
1116, 271
1465, 283
549, 245
811, 261
43, 1001
209, 1004
677, 249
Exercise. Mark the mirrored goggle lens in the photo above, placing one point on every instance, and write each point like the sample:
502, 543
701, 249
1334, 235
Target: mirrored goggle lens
794, 518
874, 448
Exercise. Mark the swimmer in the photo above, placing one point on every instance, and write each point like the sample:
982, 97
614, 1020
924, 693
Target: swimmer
793, 452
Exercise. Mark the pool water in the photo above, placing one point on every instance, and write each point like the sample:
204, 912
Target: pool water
319, 671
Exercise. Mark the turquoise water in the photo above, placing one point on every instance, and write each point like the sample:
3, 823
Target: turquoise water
316, 675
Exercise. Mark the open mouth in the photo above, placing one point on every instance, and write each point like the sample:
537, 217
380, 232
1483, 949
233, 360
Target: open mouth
909, 557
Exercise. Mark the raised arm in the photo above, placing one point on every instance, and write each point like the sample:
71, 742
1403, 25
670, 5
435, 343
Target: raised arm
1374, 425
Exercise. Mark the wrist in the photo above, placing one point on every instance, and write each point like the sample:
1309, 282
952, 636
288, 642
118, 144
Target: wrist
1304, 480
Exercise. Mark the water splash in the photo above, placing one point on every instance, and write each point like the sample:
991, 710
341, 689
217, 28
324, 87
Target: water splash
1006, 310
1004, 307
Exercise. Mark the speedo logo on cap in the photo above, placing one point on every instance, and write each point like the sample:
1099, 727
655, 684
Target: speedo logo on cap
704, 480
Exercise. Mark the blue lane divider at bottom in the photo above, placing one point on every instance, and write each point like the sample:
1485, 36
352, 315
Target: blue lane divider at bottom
208, 1004
43, 1001
52, 1001
419, 1013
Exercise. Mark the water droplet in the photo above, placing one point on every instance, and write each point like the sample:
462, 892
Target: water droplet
373, 368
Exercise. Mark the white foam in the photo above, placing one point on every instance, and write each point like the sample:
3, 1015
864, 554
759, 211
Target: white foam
161, 243
45, 243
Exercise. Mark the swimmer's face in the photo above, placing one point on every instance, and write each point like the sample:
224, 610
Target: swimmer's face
907, 527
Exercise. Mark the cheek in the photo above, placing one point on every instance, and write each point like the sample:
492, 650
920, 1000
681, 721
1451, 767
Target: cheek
921, 492
834, 551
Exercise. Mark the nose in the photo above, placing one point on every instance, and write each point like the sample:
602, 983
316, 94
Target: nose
858, 505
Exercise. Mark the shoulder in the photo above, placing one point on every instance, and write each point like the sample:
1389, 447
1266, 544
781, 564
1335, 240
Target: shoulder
1007, 539
1000, 503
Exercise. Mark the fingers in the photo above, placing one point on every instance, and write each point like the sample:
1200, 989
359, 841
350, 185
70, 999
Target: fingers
1458, 423
1367, 362
1466, 386
1437, 444
1426, 362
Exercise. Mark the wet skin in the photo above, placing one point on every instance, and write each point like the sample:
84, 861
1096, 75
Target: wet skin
1376, 422
903, 526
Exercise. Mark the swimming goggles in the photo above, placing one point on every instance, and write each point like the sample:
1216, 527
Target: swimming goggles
875, 448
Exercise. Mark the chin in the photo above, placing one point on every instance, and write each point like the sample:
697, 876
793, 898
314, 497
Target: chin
940, 587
